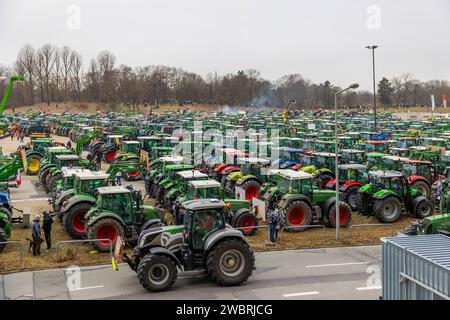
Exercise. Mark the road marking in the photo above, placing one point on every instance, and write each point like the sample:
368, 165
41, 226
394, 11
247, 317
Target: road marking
86, 288
336, 264
369, 288
299, 294
32, 199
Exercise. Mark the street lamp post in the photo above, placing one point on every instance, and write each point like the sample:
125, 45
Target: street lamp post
374, 85
336, 147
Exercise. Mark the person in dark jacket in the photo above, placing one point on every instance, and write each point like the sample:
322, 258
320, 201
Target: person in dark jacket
47, 227
36, 234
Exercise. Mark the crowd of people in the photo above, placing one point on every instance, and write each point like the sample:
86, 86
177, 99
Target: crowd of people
18, 134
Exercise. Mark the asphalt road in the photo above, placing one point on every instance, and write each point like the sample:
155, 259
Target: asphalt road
334, 273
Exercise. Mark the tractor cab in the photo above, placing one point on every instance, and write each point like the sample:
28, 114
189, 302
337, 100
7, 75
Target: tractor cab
392, 163
295, 182
376, 146
353, 156
353, 172
399, 152
203, 189
68, 179
374, 160
147, 143
67, 160
325, 160
322, 146
87, 181
130, 147
389, 180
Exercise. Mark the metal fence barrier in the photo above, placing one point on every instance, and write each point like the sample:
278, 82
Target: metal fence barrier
21, 248
304, 227
368, 226
255, 227
82, 241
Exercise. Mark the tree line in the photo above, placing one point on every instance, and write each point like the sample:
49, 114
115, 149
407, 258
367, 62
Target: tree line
58, 74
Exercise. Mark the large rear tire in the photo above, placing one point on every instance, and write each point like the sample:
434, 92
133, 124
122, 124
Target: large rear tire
230, 262
251, 188
423, 187
388, 210
156, 272
423, 209
106, 228
73, 220
297, 213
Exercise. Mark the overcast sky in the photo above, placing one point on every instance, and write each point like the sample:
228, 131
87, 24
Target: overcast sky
321, 39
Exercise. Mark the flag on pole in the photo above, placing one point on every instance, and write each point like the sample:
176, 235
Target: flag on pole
19, 178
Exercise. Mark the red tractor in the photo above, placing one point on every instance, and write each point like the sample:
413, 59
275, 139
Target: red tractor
351, 178
421, 175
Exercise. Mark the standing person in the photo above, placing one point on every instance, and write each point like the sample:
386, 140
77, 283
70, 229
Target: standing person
36, 234
274, 224
47, 227
21, 137
118, 178
12, 133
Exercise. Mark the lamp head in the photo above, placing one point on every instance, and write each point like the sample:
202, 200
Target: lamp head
354, 86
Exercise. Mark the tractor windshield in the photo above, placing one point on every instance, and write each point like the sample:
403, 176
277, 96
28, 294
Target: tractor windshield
204, 223
117, 202
88, 186
203, 193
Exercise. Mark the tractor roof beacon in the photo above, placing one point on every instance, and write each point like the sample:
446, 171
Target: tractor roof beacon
204, 244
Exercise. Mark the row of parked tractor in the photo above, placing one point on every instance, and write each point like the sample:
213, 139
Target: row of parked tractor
400, 171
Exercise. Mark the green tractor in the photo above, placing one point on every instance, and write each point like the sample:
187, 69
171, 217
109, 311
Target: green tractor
118, 211
36, 153
6, 219
301, 203
156, 170
53, 171
240, 213
165, 179
204, 244
322, 168
49, 161
389, 195
74, 203
178, 184
250, 178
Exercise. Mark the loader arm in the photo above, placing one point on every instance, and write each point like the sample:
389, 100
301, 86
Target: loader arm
8, 91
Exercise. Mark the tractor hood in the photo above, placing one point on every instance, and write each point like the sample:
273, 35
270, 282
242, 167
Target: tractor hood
237, 204
152, 213
170, 237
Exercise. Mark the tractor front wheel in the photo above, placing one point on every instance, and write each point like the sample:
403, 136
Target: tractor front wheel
423, 209
345, 215
296, 214
350, 196
105, 228
246, 221
156, 272
230, 262
388, 210
73, 220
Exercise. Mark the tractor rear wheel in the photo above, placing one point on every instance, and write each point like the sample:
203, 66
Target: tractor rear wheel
322, 180
423, 187
73, 220
388, 210
350, 196
345, 215
297, 213
423, 209
3, 238
52, 182
246, 220
105, 228
230, 262
363, 202
251, 188
33, 164
156, 272
109, 156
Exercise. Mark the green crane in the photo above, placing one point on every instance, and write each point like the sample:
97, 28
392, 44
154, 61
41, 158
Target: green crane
8, 91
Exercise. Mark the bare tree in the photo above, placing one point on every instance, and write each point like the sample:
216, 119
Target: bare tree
46, 54
76, 73
57, 73
26, 60
66, 69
